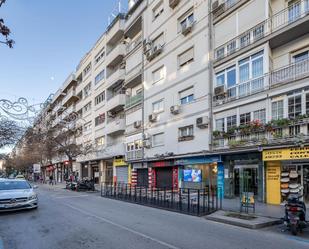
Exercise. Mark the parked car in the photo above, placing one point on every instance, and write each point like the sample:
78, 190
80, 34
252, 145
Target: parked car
17, 194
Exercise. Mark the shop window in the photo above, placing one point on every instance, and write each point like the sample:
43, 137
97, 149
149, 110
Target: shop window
277, 110
294, 106
245, 118
294, 130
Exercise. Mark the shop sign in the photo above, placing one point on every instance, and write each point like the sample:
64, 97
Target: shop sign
197, 160
119, 162
286, 154
162, 164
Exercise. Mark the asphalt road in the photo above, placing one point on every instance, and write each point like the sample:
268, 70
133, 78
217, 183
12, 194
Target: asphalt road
68, 219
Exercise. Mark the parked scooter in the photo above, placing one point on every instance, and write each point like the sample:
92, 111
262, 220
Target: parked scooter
295, 214
86, 185
71, 185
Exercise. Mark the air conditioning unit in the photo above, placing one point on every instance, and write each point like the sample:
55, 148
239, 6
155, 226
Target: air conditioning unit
219, 90
147, 44
175, 109
186, 29
202, 122
137, 124
146, 144
110, 114
152, 117
173, 3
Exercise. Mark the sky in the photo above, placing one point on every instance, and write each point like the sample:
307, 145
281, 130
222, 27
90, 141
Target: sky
51, 37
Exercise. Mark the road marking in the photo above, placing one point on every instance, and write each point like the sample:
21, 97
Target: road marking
123, 227
298, 239
72, 196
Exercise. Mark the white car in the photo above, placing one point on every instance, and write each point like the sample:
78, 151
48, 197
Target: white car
17, 194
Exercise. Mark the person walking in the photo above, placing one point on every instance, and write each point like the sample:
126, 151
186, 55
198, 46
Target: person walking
51, 178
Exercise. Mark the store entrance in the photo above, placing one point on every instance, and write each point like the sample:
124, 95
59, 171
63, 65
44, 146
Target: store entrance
164, 177
306, 183
245, 179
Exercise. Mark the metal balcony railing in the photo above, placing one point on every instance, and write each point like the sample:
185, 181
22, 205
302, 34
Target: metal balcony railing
226, 5
134, 100
135, 154
276, 22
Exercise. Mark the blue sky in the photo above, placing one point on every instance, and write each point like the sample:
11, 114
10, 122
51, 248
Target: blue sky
51, 36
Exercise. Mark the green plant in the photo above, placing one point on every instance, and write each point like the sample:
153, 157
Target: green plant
217, 133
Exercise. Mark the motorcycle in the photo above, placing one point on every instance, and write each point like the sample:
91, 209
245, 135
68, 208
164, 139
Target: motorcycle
295, 214
71, 185
86, 185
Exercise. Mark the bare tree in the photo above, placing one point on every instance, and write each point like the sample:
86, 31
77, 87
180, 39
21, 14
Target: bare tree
10, 132
5, 31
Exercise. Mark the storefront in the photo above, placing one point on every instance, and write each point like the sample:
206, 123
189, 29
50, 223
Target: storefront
164, 174
140, 174
121, 171
243, 172
287, 172
199, 172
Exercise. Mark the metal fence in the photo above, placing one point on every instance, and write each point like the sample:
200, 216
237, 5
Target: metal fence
185, 200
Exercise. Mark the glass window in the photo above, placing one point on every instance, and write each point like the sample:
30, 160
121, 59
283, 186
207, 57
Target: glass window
100, 141
100, 98
186, 96
231, 47
99, 56
157, 106
186, 131
231, 122
87, 107
87, 90
220, 79
245, 40
307, 103
158, 10
245, 118
87, 69
158, 74
257, 67
186, 57
220, 124
100, 119
260, 115
244, 73
294, 130
294, 106
294, 10
302, 56
158, 139
220, 53
231, 77
258, 32
277, 110
100, 76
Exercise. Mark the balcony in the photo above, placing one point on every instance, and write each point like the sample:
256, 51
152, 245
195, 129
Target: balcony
134, 76
116, 29
226, 7
116, 103
115, 56
134, 100
115, 149
134, 19
134, 44
116, 126
243, 90
134, 155
115, 77
70, 97
70, 79
292, 72
279, 29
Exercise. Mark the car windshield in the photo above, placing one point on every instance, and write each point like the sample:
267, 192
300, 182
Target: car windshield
10, 185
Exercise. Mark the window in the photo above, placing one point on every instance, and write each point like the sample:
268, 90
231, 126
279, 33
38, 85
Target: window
100, 76
277, 110
294, 130
99, 56
158, 10
100, 141
230, 3
294, 106
87, 127
302, 56
100, 119
228, 78
294, 10
159, 40
158, 139
158, 106
231, 47
100, 98
87, 107
307, 103
186, 96
258, 32
260, 115
158, 74
186, 57
245, 40
87, 69
187, 20
220, 124
231, 122
186, 131
87, 90
220, 79
220, 53
245, 118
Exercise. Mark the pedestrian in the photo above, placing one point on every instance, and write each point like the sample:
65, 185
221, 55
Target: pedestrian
51, 178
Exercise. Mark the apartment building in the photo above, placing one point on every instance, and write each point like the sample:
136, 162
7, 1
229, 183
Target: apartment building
260, 96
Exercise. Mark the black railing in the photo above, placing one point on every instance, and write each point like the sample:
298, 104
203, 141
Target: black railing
185, 200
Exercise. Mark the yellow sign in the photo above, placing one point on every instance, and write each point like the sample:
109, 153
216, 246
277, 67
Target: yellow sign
119, 162
286, 154
273, 183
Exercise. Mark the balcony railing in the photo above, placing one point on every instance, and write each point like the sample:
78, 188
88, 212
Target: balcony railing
278, 21
226, 5
134, 100
134, 155
294, 71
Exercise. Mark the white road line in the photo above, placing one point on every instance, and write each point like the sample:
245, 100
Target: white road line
72, 196
123, 227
